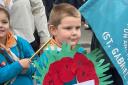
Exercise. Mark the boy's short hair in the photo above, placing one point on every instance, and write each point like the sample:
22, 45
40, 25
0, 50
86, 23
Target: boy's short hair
60, 11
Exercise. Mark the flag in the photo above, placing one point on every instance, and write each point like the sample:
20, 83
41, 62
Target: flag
109, 21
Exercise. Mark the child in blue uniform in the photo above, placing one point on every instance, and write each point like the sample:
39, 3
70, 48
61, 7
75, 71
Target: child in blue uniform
15, 65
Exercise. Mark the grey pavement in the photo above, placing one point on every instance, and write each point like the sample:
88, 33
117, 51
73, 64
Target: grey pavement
85, 41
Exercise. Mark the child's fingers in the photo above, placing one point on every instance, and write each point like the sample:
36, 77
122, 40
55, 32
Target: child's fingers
29, 60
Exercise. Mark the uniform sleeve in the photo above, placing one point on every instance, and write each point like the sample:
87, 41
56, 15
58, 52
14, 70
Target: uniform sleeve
10, 71
38, 11
27, 52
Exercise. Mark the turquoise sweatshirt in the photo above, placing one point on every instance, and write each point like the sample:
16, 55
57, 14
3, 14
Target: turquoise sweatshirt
11, 70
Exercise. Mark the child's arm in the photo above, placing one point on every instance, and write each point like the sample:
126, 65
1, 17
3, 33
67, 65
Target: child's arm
10, 71
14, 70
27, 52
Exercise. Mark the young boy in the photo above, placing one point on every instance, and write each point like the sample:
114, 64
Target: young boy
65, 66
15, 67
64, 25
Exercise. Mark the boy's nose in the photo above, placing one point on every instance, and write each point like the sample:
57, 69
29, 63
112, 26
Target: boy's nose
74, 31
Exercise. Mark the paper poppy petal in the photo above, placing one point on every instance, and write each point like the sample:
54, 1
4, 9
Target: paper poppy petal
52, 79
48, 80
74, 68
53, 67
81, 59
86, 74
85, 69
64, 70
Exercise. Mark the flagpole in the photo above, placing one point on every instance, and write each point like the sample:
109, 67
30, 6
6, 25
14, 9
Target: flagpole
40, 49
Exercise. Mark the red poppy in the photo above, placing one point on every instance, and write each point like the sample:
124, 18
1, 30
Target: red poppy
80, 60
85, 74
48, 80
85, 69
52, 78
53, 67
64, 70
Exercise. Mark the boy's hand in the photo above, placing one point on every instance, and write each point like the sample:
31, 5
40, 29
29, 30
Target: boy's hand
25, 63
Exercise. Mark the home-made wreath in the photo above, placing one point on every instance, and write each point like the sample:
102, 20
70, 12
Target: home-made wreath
72, 66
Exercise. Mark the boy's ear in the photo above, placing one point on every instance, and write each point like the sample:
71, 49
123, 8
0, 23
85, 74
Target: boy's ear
52, 29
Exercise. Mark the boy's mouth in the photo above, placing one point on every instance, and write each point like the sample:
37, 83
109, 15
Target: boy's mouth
74, 39
2, 30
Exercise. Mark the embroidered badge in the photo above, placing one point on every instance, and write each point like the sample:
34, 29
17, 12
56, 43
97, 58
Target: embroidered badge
2, 64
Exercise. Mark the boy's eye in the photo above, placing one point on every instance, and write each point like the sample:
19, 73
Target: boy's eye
5, 22
78, 27
68, 28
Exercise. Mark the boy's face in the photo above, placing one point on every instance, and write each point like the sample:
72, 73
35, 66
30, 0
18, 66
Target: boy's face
4, 24
68, 31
